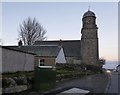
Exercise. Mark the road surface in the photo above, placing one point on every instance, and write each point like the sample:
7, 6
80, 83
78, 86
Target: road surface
114, 86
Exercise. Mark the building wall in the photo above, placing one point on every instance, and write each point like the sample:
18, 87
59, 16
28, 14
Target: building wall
69, 60
0, 60
13, 61
77, 61
49, 61
89, 51
73, 60
89, 41
61, 57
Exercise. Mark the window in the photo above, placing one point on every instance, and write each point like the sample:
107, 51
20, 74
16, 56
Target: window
41, 62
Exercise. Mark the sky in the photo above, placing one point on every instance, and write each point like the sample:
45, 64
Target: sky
63, 20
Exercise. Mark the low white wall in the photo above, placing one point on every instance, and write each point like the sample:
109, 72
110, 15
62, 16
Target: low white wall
13, 61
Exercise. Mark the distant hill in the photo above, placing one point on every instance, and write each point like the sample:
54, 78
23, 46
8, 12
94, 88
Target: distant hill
110, 65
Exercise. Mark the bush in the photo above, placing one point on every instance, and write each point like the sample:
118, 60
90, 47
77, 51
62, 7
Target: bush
94, 69
65, 71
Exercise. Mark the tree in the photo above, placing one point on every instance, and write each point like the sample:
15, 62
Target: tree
31, 31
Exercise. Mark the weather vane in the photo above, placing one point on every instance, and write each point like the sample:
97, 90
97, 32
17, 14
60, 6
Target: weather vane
88, 7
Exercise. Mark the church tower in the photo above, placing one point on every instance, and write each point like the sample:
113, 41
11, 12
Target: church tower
89, 39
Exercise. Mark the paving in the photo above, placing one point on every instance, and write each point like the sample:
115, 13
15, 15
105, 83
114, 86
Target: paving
114, 84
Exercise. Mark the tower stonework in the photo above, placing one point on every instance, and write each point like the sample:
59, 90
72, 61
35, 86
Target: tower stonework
89, 39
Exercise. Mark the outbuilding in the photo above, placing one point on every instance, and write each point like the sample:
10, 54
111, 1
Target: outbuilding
14, 60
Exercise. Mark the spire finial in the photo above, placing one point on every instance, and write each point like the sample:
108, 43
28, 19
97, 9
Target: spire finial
88, 8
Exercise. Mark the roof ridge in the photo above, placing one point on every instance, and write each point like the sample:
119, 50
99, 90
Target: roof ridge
56, 40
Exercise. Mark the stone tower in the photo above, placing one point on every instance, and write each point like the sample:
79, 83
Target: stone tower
89, 39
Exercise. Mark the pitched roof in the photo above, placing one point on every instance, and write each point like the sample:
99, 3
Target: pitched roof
17, 49
71, 47
48, 51
43, 50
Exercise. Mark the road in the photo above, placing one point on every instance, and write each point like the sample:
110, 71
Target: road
114, 86
93, 83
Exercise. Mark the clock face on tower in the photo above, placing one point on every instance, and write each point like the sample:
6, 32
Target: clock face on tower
88, 20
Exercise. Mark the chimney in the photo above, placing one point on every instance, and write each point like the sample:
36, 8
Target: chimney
20, 43
60, 42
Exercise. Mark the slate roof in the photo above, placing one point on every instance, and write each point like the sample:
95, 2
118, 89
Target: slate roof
45, 51
17, 49
71, 47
